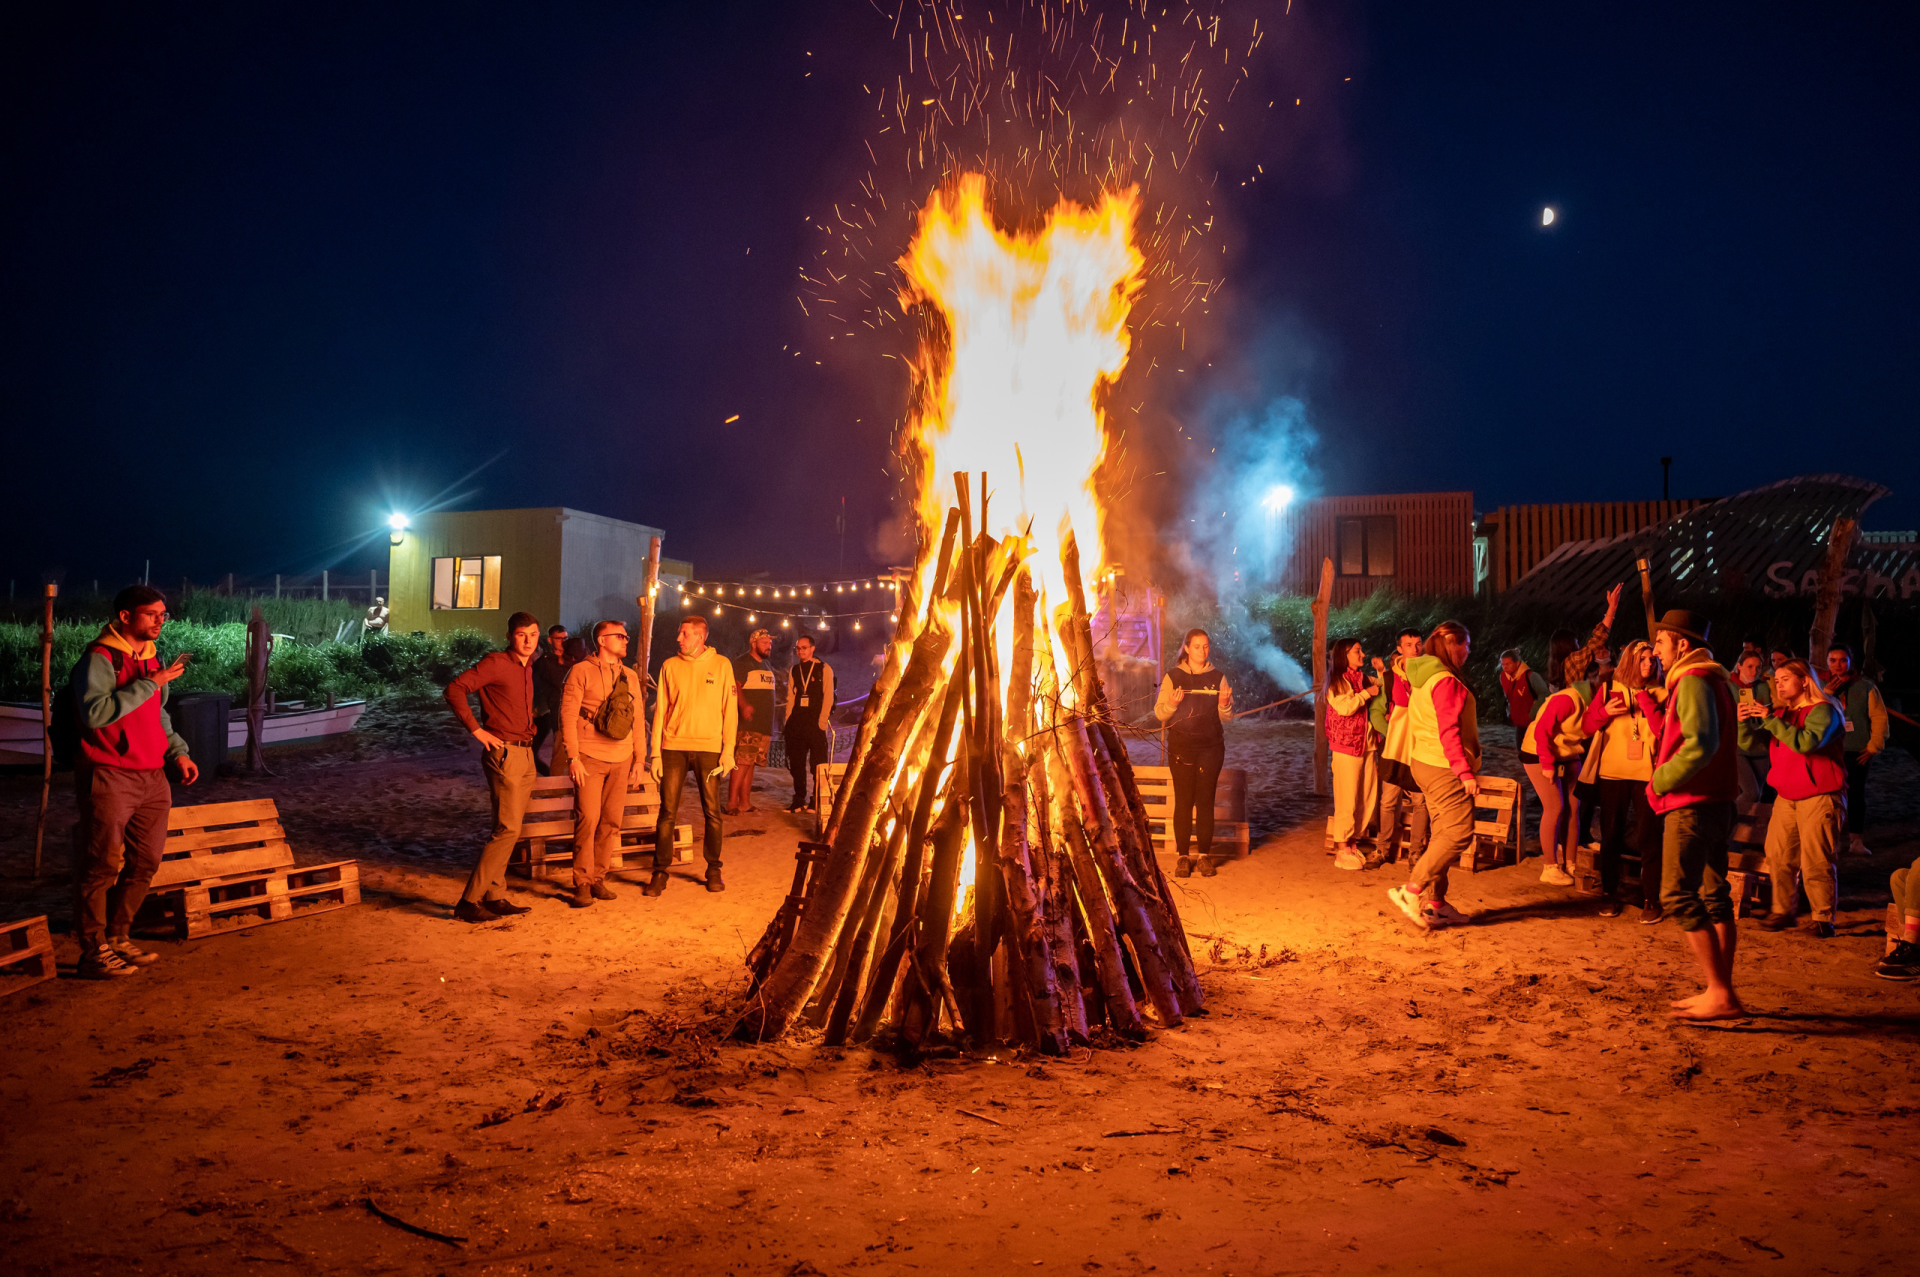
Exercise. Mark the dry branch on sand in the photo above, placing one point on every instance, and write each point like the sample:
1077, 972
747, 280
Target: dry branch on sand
1065, 923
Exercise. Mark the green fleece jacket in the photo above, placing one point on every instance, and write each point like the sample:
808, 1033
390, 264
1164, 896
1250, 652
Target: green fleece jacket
1692, 699
1752, 733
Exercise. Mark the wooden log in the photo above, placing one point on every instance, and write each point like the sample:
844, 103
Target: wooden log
1826, 598
934, 932
46, 721
1129, 903
792, 980
1030, 948
1321, 602
852, 979
1110, 974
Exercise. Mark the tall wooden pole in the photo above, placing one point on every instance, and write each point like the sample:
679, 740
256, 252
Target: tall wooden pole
1321, 602
648, 588
1826, 600
259, 649
1646, 595
46, 721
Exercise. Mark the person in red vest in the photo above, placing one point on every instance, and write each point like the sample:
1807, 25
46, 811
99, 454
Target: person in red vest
120, 778
1808, 771
1695, 781
1524, 689
1355, 750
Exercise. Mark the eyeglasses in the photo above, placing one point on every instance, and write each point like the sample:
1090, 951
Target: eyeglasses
157, 616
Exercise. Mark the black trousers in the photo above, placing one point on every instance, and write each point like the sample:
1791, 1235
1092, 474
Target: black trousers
674, 766
806, 748
1627, 823
1857, 793
1194, 780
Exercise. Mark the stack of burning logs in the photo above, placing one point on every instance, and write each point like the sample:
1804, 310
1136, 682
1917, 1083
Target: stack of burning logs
1068, 926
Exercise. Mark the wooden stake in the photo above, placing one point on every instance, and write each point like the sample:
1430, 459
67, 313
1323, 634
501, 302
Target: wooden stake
649, 587
259, 648
1826, 599
1321, 602
46, 721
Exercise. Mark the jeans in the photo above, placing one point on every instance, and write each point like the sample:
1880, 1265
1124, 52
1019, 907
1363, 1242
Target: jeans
1627, 824
1194, 780
1693, 875
118, 846
806, 749
674, 766
510, 777
1857, 793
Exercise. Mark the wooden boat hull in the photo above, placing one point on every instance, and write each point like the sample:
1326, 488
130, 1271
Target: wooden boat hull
20, 728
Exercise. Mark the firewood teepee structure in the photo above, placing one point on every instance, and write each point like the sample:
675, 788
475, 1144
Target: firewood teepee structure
987, 872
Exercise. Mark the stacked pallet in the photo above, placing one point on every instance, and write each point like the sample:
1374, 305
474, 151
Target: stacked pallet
26, 954
1232, 835
228, 866
549, 821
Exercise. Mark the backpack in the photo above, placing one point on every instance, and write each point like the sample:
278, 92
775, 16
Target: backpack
614, 718
65, 728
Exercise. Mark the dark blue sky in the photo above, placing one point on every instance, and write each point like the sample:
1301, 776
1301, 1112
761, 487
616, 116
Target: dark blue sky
270, 268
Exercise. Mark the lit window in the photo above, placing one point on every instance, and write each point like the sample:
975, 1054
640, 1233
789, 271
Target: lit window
1365, 546
467, 583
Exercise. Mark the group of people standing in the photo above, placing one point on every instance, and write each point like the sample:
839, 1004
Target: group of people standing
712, 723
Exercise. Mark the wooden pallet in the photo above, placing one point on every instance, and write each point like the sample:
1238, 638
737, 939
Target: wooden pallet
549, 821
222, 840
1747, 880
1496, 834
26, 954
1232, 835
198, 910
826, 780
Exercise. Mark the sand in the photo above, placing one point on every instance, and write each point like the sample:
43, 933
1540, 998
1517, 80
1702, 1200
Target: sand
1360, 1099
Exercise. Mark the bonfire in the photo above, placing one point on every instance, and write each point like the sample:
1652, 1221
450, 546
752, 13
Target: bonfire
987, 872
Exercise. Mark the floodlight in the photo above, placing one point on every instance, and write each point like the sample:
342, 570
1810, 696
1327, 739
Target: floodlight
1279, 496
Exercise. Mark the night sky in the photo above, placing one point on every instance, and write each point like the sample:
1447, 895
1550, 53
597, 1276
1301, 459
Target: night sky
274, 270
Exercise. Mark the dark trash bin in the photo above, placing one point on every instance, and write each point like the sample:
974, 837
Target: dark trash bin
201, 720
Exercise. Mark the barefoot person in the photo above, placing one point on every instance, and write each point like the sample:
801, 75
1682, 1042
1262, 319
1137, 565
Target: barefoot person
1354, 748
125, 741
1444, 728
804, 722
1809, 776
695, 721
600, 708
1194, 702
1695, 781
504, 683
753, 685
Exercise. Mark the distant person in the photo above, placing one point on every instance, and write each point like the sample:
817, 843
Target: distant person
1902, 962
1694, 785
375, 621
1809, 774
600, 710
696, 721
753, 685
1866, 735
505, 684
806, 715
1620, 763
1524, 690
1354, 749
549, 686
1752, 687
125, 741
1445, 733
1397, 786
1194, 703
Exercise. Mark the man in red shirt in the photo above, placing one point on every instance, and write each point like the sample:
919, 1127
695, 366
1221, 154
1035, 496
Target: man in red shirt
504, 683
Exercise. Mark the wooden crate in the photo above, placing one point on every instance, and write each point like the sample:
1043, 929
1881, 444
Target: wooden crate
26, 954
1747, 880
549, 821
1232, 836
1496, 834
1586, 869
222, 840
826, 782
202, 909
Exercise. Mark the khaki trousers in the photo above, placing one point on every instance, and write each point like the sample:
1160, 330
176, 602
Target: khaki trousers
510, 775
599, 809
1356, 794
1450, 832
1803, 840
118, 845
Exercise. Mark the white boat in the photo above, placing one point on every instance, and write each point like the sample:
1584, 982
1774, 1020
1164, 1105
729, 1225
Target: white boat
292, 720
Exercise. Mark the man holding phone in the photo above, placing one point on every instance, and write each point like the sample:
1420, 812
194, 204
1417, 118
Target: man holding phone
119, 700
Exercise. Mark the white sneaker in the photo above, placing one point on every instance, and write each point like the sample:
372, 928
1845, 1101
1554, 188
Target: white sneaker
131, 952
1555, 876
1349, 858
1445, 915
1407, 900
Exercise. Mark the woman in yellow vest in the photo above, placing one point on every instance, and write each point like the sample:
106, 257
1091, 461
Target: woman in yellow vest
1620, 762
1444, 723
1559, 741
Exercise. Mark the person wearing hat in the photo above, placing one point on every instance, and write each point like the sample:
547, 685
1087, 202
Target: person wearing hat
753, 685
1694, 784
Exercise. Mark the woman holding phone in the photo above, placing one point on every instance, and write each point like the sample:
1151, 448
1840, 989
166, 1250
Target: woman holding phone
1620, 763
1194, 703
1809, 774
1355, 750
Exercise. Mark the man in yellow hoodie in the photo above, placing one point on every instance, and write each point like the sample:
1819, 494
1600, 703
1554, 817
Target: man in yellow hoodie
696, 718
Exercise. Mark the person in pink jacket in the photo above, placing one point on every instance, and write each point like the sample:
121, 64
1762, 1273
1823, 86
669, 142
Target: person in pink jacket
1445, 761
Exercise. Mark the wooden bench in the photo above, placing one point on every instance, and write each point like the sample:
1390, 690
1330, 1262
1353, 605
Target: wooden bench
26, 954
227, 866
1496, 834
549, 820
1232, 835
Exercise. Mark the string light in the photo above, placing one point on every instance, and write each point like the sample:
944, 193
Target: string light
785, 623
751, 618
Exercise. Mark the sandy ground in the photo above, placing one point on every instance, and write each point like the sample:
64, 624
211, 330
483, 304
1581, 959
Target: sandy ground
1361, 1099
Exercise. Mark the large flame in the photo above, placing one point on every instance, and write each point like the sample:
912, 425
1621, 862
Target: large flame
1013, 381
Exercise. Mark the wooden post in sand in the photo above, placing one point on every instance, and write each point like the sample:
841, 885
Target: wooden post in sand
46, 722
259, 648
1321, 602
649, 586
1826, 599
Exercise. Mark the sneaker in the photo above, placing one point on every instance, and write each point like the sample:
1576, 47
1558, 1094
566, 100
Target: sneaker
1776, 922
1556, 876
1374, 860
1610, 909
582, 896
601, 891
131, 952
656, 884
1820, 930
1445, 915
104, 964
1407, 901
1902, 964
1207, 865
1183, 867
714, 882
1651, 915
1349, 858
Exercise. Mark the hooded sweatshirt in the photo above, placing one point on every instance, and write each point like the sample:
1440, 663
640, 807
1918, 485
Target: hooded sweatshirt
122, 722
1444, 718
1694, 737
1807, 758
